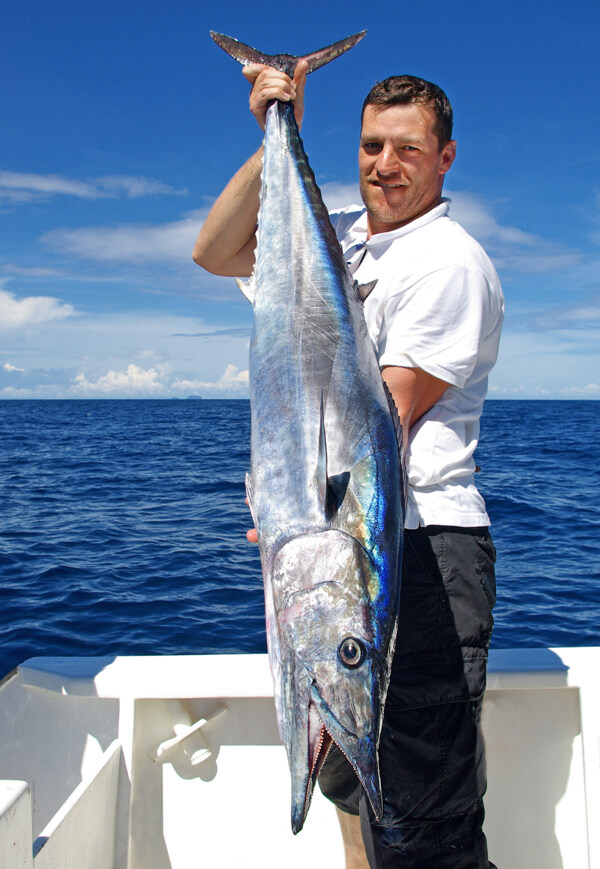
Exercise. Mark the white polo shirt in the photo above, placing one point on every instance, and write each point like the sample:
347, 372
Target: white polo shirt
438, 306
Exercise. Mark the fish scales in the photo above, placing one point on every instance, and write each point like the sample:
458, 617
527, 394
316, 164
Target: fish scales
325, 485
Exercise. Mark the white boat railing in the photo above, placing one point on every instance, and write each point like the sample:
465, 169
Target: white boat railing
175, 763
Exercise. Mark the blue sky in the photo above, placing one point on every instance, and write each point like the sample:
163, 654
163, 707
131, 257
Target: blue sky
123, 121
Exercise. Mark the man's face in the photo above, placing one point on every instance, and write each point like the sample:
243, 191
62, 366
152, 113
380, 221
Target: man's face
401, 167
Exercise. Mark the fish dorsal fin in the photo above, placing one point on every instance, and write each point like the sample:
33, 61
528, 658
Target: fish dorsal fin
245, 54
321, 472
365, 290
247, 288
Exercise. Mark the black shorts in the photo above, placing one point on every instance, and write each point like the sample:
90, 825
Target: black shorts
431, 753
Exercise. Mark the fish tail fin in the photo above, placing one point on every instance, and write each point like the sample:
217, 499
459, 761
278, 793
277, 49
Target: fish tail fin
246, 55
241, 52
319, 58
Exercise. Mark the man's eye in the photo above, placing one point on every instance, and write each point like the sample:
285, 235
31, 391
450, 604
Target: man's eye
410, 148
371, 146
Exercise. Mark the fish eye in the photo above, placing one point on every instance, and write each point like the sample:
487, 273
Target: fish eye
351, 653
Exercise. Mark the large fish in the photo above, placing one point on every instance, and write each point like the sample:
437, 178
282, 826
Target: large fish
325, 487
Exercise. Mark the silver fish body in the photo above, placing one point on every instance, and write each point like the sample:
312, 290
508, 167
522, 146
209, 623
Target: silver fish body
325, 486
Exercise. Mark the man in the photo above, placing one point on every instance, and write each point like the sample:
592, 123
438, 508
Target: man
434, 318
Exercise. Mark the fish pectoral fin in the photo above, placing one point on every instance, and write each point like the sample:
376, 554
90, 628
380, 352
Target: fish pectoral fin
364, 290
247, 288
331, 489
337, 486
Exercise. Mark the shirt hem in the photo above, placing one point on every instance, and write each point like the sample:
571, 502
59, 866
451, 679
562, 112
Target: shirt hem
458, 520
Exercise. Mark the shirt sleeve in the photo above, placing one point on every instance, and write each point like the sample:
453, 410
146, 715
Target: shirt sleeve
438, 324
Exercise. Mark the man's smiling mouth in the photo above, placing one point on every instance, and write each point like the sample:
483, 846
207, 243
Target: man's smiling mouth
387, 186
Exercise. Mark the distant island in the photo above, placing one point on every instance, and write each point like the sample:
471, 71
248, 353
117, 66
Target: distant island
194, 398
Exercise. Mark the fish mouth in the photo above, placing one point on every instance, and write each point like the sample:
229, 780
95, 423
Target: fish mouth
319, 753
324, 730
319, 743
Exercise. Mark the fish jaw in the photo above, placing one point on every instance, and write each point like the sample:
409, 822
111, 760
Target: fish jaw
361, 752
307, 749
309, 740
322, 616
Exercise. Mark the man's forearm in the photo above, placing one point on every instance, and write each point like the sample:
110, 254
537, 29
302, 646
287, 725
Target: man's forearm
225, 245
414, 392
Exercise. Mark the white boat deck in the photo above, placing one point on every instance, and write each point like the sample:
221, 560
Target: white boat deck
175, 763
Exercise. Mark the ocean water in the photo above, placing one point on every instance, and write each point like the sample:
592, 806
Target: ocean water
123, 527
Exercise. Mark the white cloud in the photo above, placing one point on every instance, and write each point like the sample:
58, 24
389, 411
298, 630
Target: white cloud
470, 211
13, 392
519, 391
133, 243
12, 369
158, 382
510, 247
231, 381
31, 311
31, 271
134, 186
591, 390
340, 195
134, 382
581, 314
39, 391
28, 186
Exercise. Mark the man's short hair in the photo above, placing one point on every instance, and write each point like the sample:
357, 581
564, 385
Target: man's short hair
402, 90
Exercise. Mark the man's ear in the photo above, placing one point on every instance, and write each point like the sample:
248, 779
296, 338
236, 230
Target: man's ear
448, 155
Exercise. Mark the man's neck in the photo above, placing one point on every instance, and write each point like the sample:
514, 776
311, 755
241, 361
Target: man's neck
376, 227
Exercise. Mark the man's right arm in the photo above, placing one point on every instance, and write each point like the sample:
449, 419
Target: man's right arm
226, 243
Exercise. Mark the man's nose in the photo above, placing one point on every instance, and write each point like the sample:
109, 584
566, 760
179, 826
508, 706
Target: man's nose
387, 161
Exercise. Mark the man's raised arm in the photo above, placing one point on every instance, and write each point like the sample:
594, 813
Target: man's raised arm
225, 245
226, 242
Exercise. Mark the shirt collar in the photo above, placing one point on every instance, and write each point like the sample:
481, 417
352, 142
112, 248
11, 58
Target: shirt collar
360, 228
